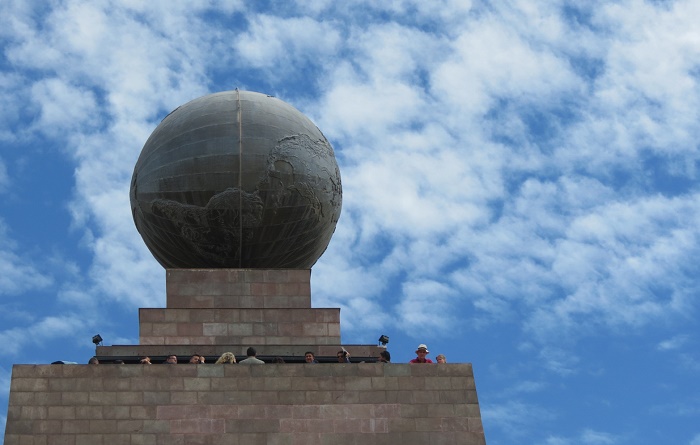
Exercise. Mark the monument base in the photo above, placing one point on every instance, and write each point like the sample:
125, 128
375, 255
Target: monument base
214, 311
304, 404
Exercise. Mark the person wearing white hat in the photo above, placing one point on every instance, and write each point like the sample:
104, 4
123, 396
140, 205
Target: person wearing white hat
421, 352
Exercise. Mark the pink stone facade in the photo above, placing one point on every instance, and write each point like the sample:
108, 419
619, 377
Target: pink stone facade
238, 288
213, 311
239, 326
358, 403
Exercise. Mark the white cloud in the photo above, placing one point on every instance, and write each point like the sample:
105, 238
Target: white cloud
63, 326
515, 418
12, 103
527, 386
64, 108
558, 249
592, 437
285, 43
425, 303
587, 437
554, 440
110, 49
17, 273
559, 360
614, 267
481, 70
365, 112
646, 98
676, 342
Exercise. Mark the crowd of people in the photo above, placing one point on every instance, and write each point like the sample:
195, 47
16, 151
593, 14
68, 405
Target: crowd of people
343, 356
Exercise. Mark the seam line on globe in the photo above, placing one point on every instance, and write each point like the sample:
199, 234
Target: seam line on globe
240, 179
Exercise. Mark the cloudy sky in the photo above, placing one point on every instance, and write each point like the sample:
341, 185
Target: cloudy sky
520, 186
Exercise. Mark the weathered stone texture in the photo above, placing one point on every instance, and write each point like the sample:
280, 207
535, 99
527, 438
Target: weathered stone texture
364, 403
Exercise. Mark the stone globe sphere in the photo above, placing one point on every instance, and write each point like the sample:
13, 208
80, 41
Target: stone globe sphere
236, 179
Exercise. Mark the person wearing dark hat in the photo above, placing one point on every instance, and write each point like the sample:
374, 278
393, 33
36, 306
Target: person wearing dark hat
421, 352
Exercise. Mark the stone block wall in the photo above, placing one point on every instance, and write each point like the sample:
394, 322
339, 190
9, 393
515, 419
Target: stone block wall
285, 404
229, 326
212, 311
238, 288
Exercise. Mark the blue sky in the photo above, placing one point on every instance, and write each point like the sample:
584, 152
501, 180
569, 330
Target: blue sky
520, 186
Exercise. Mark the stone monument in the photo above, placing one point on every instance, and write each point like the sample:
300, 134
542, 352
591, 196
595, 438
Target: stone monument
237, 195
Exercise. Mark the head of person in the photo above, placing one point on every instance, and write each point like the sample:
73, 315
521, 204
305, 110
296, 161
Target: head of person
251, 352
422, 351
342, 354
309, 357
171, 359
195, 359
441, 358
384, 357
227, 358
145, 360
93, 361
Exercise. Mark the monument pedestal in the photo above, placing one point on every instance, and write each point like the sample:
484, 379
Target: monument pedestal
214, 311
